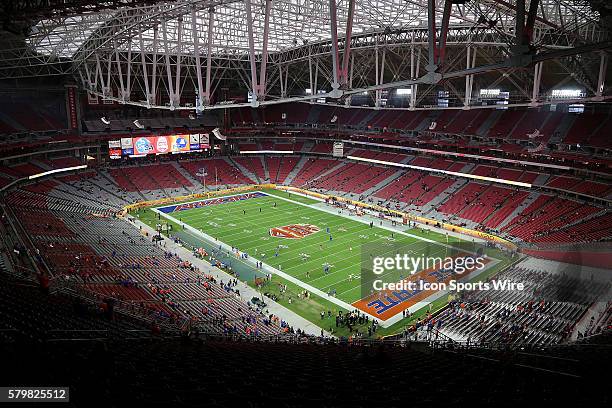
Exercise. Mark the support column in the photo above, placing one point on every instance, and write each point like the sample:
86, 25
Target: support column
347, 43
444, 32
168, 69
145, 76
128, 86
249, 16
415, 87
431, 35
264, 52
334, 43
601, 79
312, 92
468, 93
519, 26
531, 18
177, 87
151, 97
211, 15
196, 53
537, 75
120, 74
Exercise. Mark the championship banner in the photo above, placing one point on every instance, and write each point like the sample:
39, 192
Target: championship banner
71, 106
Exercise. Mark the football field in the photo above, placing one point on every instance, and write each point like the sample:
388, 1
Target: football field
306, 241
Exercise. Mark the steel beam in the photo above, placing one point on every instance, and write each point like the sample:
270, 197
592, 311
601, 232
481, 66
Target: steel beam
177, 87
444, 31
196, 54
145, 76
531, 19
249, 18
334, 43
347, 42
209, 42
537, 77
431, 36
519, 26
264, 52
168, 68
601, 78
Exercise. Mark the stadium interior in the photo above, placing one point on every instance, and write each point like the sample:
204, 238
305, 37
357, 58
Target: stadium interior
193, 194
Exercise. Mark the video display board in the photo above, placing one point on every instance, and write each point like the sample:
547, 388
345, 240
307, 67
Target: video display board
114, 149
145, 145
127, 147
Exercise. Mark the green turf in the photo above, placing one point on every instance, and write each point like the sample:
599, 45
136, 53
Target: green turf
245, 225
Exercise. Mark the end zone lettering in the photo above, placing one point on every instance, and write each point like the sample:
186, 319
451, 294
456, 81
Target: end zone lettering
210, 201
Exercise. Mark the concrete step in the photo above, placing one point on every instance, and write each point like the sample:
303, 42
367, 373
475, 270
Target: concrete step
102, 183
325, 173
526, 203
542, 179
383, 183
42, 165
110, 179
467, 168
84, 197
243, 169
197, 185
446, 194
266, 170
490, 121
562, 129
161, 190
517, 123
298, 167
581, 220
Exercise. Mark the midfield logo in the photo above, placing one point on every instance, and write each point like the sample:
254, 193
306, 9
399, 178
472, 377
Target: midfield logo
294, 231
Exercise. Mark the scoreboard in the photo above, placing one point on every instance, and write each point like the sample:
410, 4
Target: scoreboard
144, 145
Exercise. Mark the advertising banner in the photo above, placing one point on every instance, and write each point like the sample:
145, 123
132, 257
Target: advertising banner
178, 143
194, 141
204, 141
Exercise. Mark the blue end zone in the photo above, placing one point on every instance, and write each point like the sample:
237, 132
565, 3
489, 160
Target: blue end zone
210, 201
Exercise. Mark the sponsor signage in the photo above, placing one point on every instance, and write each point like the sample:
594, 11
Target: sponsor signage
143, 145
